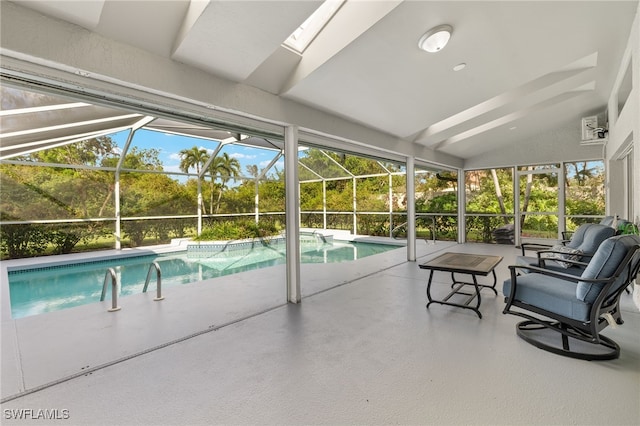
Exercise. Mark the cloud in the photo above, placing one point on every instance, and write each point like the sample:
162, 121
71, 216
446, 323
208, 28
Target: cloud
238, 155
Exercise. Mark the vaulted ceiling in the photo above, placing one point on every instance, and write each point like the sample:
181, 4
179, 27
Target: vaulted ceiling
529, 65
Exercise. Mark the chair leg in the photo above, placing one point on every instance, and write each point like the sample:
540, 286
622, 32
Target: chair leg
574, 345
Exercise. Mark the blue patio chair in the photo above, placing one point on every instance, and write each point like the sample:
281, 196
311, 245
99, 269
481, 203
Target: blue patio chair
607, 220
572, 256
622, 226
565, 313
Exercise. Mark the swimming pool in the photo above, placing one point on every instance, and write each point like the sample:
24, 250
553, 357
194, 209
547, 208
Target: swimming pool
39, 290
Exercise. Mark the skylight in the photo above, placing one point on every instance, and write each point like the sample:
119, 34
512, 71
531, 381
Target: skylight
304, 35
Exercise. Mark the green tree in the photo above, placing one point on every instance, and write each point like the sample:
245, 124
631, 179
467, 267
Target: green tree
195, 158
226, 168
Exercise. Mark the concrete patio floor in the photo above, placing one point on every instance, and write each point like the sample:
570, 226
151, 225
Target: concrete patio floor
361, 348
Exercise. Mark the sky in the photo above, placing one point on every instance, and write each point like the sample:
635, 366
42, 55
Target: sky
170, 146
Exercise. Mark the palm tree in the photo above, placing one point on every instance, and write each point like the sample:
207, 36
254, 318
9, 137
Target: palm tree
194, 157
252, 170
227, 168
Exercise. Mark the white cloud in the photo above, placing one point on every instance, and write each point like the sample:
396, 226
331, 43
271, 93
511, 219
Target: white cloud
238, 155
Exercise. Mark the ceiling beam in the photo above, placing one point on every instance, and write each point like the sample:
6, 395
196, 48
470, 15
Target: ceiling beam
548, 86
501, 121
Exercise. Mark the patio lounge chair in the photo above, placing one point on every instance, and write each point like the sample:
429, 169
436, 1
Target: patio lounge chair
572, 256
565, 313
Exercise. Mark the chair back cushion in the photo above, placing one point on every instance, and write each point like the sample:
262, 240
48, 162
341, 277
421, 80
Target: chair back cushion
607, 220
604, 264
589, 236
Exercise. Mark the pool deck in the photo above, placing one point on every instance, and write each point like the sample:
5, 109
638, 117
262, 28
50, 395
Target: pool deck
35, 349
360, 349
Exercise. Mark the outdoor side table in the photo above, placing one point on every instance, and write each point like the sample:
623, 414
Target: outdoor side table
463, 263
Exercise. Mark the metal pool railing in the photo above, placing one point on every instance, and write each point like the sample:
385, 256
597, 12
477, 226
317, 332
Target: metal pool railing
156, 266
111, 273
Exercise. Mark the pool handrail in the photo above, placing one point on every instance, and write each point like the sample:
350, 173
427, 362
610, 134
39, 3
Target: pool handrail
156, 266
111, 273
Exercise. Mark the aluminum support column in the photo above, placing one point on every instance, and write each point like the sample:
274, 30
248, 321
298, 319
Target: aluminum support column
355, 207
390, 206
200, 206
462, 203
411, 210
116, 199
292, 213
256, 201
116, 195
324, 204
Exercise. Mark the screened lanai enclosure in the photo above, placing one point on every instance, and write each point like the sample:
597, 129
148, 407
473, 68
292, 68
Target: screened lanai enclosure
76, 176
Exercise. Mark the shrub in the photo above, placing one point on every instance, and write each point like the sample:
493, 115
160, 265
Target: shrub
23, 240
237, 230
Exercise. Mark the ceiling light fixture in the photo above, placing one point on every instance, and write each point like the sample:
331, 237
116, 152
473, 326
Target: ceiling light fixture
436, 38
460, 66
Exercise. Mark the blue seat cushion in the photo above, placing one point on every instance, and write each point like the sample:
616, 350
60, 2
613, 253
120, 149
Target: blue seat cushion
604, 264
552, 294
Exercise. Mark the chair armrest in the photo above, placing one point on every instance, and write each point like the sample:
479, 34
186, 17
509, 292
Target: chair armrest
541, 252
543, 271
542, 264
533, 246
551, 273
572, 262
566, 235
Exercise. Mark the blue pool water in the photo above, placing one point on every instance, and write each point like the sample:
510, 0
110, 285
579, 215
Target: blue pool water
40, 290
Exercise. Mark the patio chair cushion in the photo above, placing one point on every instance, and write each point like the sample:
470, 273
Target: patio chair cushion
603, 265
555, 294
564, 252
588, 237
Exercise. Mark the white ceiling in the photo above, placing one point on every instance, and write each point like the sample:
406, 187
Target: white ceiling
530, 65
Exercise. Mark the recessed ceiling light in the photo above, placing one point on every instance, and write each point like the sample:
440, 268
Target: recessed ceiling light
436, 38
512, 128
460, 66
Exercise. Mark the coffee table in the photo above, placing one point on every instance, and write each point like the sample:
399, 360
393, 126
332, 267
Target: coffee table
463, 263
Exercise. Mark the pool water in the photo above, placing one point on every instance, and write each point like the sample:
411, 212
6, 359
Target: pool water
40, 290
